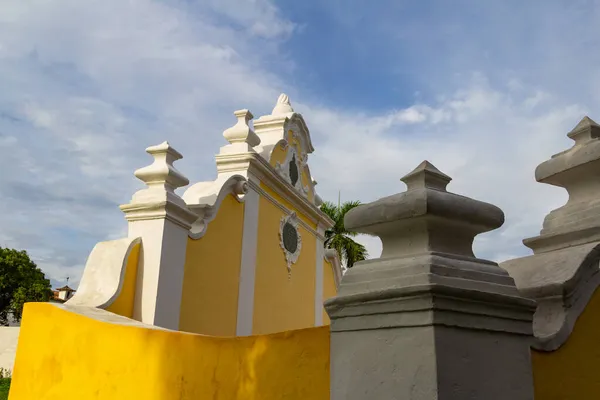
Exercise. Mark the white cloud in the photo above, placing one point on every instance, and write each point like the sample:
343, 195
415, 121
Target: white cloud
88, 85
488, 140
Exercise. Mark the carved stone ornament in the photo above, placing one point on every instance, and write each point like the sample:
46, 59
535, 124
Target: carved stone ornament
290, 239
291, 169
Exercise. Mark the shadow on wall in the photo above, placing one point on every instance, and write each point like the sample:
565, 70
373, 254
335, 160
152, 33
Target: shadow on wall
94, 354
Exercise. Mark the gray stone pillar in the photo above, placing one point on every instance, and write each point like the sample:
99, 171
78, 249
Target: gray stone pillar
429, 320
563, 273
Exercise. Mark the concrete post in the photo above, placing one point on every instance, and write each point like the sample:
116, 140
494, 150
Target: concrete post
162, 220
428, 320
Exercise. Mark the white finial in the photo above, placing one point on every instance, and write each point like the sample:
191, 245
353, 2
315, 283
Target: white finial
161, 177
283, 105
241, 131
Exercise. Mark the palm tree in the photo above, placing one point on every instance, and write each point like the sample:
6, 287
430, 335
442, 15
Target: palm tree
339, 238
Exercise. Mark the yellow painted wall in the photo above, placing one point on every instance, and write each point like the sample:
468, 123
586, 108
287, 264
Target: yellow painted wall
123, 304
61, 353
329, 288
571, 372
282, 302
212, 274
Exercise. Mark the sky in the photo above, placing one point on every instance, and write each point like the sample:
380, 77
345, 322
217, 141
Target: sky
484, 90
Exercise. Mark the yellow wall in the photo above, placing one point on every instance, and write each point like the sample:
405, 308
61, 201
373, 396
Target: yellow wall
282, 302
212, 274
329, 288
61, 353
123, 304
571, 372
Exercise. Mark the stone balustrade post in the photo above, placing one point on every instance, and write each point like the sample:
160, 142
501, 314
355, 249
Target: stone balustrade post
162, 220
428, 320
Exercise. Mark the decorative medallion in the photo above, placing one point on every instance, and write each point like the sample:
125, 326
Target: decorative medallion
290, 239
290, 169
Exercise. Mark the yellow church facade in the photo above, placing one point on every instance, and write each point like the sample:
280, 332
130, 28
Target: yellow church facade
238, 256
247, 269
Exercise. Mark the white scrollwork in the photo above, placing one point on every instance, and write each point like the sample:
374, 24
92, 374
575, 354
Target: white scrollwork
290, 239
283, 169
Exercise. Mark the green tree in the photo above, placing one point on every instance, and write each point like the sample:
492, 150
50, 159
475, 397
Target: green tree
341, 239
21, 281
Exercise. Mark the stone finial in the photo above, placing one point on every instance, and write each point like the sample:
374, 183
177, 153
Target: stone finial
161, 177
586, 130
241, 132
283, 105
426, 217
426, 175
578, 171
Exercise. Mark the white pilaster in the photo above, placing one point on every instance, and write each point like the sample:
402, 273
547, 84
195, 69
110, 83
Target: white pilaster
162, 220
248, 264
319, 276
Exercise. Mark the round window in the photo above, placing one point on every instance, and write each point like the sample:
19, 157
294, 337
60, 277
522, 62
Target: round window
290, 238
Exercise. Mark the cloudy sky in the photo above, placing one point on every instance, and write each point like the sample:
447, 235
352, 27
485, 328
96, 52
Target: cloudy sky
485, 90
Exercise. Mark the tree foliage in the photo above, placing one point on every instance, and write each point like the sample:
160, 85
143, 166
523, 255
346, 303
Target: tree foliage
21, 281
341, 239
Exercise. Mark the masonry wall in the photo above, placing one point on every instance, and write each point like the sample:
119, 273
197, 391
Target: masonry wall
92, 354
9, 336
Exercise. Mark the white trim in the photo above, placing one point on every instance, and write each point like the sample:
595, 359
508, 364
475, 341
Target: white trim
283, 169
254, 164
283, 208
104, 273
245, 310
159, 282
205, 198
319, 276
331, 255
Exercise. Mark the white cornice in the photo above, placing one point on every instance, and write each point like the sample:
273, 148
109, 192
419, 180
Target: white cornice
256, 187
256, 165
205, 198
175, 213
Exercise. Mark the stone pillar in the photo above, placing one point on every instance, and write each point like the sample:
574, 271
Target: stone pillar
162, 220
563, 274
428, 320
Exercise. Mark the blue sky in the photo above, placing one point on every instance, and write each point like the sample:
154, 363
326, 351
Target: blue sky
484, 90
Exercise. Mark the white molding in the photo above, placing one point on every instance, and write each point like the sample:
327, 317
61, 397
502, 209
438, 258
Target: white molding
255, 164
283, 208
331, 255
290, 257
283, 169
319, 276
104, 273
178, 214
245, 309
205, 198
